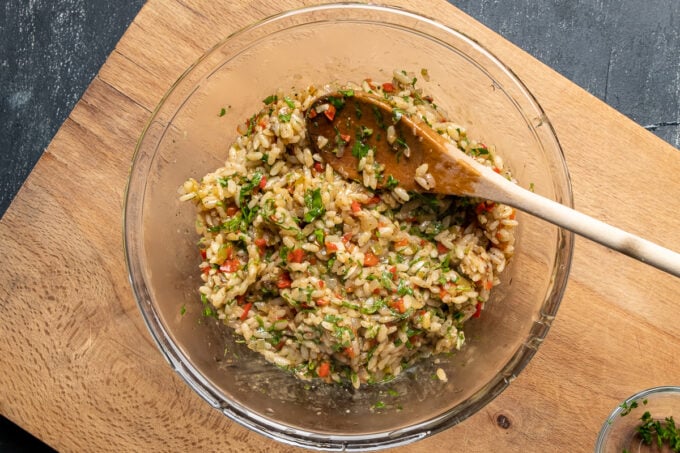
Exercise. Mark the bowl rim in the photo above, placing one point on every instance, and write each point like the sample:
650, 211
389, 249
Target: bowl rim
301, 438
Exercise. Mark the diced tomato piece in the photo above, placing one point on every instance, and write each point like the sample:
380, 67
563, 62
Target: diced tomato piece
330, 247
346, 238
311, 113
230, 266
330, 112
321, 284
370, 259
296, 256
376, 291
263, 182
356, 207
488, 284
324, 369
246, 309
441, 248
318, 166
349, 352
388, 87
393, 271
512, 215
345, 138
442, 292
373, 200
478, 312
284, 281
231, 210
204, 254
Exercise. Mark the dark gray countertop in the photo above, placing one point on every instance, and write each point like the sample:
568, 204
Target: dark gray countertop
625, 52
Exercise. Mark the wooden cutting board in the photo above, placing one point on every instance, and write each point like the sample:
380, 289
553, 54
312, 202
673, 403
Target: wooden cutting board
80, 370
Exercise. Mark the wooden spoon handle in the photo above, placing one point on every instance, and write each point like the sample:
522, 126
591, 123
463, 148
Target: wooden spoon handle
497, 188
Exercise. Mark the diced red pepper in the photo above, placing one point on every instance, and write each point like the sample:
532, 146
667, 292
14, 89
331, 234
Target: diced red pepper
393, 271
321, 284
345, 138
399, 305
349, 352
284, 281
346, 238
388, 87
231, 210
311, 113
478, 312
331, 247
512, 215
330, 112
296, 256
204, 254
488, 284
370, 259
443, 292
324, 369
321, 302
373, 200
356, 207
246, 309
318, 166
230, 266
263, 182
441, 248
261, 244
401, 243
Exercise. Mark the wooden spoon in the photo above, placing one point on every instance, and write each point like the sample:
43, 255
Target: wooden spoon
344, 125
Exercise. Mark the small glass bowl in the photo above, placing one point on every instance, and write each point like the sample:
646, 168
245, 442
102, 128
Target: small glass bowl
187, 137
618, 432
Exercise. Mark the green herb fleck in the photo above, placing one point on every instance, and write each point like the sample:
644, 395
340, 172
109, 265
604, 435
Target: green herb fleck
347, 93
183, 310
392, 182
314, 205
270, 99
360, 149
285, 117
289, 102
223, 112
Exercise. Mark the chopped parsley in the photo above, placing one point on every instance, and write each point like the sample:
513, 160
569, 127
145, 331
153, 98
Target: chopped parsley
285, 117
392, 182
347, 93
360, 150
314, 205
289, 102
223, 112
270, 99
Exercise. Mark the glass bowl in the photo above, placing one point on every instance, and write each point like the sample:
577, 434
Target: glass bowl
619, 433
187, 137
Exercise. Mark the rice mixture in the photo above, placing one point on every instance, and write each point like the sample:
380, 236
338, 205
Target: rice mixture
336, 279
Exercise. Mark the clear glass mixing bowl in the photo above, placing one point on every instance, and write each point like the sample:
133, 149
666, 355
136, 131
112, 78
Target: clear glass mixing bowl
186, 137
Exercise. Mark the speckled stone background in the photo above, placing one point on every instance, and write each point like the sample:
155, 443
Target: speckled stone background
625, 52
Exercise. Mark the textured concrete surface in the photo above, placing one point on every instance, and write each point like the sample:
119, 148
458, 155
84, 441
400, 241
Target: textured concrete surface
625, 52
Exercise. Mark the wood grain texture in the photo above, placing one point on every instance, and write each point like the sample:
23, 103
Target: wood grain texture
80, 370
